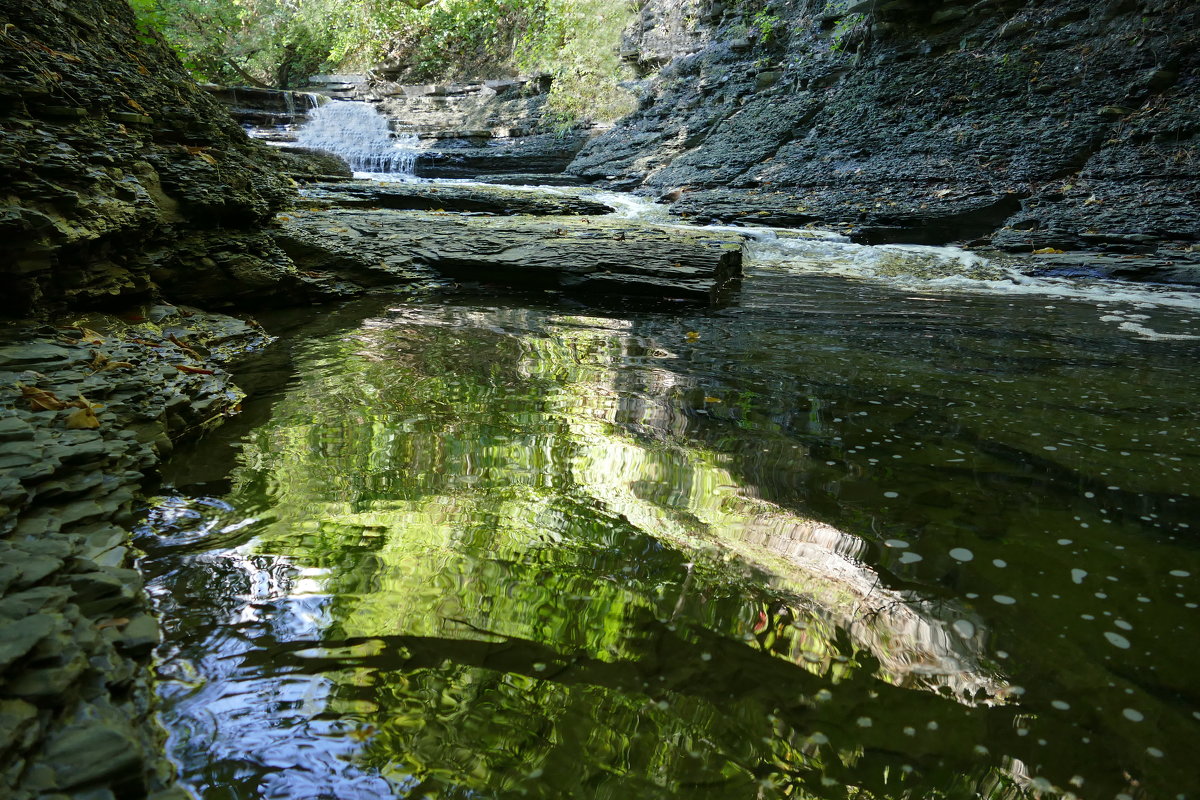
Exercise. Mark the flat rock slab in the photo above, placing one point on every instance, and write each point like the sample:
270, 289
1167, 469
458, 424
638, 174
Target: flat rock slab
424, 197
604, 256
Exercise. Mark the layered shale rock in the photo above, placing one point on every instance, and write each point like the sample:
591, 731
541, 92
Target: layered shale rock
587, 254
123, 183
1063, 124
85, 411
121, 176
449, 197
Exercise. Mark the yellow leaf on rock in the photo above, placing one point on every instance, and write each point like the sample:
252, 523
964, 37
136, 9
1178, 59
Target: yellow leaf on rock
712, 400
1046, 251
692, 336
40, 399
82, 419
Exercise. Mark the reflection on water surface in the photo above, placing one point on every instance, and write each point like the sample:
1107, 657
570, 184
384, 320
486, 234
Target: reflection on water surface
833, 541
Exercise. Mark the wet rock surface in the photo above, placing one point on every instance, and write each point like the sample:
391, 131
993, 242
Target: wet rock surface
481, 157
572, 253
1068, 124
477, 129
87, 407
423, 197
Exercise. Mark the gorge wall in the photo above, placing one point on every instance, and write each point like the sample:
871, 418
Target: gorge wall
1064, 124
121, 177
124, 184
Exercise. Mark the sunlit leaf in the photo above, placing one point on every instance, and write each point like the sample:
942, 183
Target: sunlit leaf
40, 399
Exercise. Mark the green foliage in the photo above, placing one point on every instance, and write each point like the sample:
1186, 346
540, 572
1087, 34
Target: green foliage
581, 52
260, 42
281, 42
843, 28
766, 24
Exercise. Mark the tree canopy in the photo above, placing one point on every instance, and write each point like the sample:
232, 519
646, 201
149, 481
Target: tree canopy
279, 43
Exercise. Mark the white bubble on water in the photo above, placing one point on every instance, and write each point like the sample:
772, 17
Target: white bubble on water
1180, 573
1004, 599
1154, 752
897, 543
1061, 705
1122, 624
1132, 714
891, 494
1117, 640
964, 628
1077, 575
961, 554
999, 562
909, 557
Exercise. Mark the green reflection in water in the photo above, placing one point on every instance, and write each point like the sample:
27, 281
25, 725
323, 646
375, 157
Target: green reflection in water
505, 551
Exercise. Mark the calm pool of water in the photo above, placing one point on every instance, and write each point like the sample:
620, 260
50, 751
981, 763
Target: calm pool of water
834, 540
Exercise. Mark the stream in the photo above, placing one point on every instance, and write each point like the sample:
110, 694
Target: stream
860, 531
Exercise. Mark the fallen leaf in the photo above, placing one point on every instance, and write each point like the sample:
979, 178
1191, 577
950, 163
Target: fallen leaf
89, 335
83, 419
98, 360
1046, 251
115, 365
194, 370
40, 399
116, 622
692, 336
175, 341
82, 402
712, 400
135, 105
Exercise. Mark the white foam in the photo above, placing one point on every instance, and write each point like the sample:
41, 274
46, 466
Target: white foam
360, 134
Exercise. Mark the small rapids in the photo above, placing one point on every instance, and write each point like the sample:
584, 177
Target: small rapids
359, 134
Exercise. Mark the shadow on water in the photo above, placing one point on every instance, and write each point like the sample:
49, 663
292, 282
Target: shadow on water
830, 541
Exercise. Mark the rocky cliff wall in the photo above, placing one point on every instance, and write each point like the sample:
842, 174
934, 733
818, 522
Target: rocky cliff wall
121, 177
1049, 123
120, 182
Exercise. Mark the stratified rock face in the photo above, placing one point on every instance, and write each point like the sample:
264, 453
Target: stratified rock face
117, 169
84, 413
594, 256
1069, 123
478, 129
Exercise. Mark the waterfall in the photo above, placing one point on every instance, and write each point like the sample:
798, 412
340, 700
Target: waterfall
358, 133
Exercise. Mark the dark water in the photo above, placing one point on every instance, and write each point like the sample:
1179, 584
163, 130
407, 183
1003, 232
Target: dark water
833, 541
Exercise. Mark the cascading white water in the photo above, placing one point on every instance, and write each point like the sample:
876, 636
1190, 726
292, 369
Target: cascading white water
358, 133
